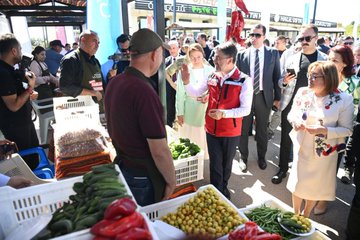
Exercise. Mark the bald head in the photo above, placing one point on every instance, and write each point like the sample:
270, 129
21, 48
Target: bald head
89, 42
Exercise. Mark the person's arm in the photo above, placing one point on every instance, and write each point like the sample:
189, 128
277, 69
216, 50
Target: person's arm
14, 102
180, 100
19, 182
295, 115
36, 69
160, 152
276, 76
170, 81
193, 91
245, 97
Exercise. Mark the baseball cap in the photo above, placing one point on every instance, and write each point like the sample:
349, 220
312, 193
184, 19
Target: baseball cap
56, 43
144, 41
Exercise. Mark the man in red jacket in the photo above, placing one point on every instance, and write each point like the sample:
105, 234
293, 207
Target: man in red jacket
230, 99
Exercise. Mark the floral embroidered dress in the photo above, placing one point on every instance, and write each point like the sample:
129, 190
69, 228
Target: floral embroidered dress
313, 174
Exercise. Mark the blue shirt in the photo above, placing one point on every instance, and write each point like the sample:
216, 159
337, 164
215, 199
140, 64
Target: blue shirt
52, 60
3, 180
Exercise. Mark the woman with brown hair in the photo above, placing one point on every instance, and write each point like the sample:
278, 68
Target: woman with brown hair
321, 117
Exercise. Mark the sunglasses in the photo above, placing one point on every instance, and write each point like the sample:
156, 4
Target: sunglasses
307, 39
348, 43
257, 35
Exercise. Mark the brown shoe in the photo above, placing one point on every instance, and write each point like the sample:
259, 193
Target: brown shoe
321, 208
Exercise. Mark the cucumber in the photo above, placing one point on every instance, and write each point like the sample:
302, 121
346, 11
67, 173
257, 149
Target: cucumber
62, 226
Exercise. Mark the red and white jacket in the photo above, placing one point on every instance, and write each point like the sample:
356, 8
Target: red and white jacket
225, 96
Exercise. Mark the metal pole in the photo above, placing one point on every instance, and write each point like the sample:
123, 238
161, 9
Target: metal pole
313, 20
174, 11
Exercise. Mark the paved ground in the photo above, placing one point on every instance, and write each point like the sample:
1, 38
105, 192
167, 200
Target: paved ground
255, 186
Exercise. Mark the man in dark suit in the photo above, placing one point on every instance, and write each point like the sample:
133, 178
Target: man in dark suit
171, 83
263, 65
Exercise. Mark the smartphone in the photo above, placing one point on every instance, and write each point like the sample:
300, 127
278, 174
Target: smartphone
291, 71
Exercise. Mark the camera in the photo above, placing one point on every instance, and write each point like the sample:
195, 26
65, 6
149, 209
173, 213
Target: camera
25, 62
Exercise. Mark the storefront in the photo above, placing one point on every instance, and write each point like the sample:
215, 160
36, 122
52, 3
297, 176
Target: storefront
205, 12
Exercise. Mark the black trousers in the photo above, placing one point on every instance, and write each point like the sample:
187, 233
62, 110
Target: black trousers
353, 230
221, 153
25, 137
170, 104
261, 113
285, 142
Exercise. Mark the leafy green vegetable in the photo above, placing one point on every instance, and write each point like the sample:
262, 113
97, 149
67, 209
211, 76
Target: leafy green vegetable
183, 148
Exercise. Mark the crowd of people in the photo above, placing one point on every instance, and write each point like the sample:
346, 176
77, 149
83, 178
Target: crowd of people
216, 94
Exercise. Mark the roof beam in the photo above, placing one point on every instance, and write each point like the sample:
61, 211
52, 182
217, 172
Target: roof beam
36, 13
42, 24
39, 8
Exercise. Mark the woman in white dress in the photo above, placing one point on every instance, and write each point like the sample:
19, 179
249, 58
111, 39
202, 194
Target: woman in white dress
190, 111
321, 117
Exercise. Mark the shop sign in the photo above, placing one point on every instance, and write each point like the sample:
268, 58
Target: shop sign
325, 24
285, 19
180, 7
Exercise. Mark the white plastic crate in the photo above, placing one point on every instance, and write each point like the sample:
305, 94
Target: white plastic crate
20, 205
190, 169
158, 210
81, 108
275, 203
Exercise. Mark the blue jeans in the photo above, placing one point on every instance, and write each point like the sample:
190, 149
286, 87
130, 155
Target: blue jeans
141, 187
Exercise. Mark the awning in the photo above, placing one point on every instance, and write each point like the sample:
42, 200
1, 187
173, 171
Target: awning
283, 28
331, 30
191, 26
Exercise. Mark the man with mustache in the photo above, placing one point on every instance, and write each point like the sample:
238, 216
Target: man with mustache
290, 83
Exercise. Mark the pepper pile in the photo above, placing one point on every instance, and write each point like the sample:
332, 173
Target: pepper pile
183, 148
251, 231
99, 188
122, 222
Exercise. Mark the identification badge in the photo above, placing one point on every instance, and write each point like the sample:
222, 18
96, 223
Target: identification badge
97, 86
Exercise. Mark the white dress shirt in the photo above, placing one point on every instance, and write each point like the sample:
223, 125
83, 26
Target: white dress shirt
261, 62
245, 95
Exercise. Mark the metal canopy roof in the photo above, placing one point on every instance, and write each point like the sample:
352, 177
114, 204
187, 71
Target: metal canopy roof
46, 12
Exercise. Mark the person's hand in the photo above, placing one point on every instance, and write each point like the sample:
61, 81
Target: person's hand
298, 126
180, 120
215, 114
5, 141
34, 95
98, 95
276, 104
19, 182
316, 129
112, 73
289, 78
32, 79
203, 99
168, 191
185, 74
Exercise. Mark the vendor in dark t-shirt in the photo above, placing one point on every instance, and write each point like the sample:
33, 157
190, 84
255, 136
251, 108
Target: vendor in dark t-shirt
16, 89
135, 120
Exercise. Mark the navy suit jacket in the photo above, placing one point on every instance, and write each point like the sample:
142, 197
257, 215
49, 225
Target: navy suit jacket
271, 72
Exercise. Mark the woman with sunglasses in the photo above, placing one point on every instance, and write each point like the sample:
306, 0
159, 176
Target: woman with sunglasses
321, 117
191, 111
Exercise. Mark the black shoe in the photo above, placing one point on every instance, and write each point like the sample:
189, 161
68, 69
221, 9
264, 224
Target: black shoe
227, 193
278, 177
262, 164
270, 135
243, 165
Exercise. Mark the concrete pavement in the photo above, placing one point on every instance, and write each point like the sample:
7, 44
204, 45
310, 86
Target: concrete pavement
255, 186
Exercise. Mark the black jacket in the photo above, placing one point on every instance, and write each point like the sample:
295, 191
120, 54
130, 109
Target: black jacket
72, 72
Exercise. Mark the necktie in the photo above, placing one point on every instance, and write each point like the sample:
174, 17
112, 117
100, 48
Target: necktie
174, 77
257, 73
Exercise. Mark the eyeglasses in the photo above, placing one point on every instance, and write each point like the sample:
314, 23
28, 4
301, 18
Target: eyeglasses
313, 77
217, 58
307, 38
257, 35
348, 43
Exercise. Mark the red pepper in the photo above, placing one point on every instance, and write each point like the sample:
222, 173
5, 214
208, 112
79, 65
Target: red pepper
101, 238
267, 236
251, 230
134, 234
237, 235
100, 225
240, 4
119, 208
122, 225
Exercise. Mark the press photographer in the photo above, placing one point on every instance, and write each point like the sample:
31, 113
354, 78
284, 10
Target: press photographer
16, 90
